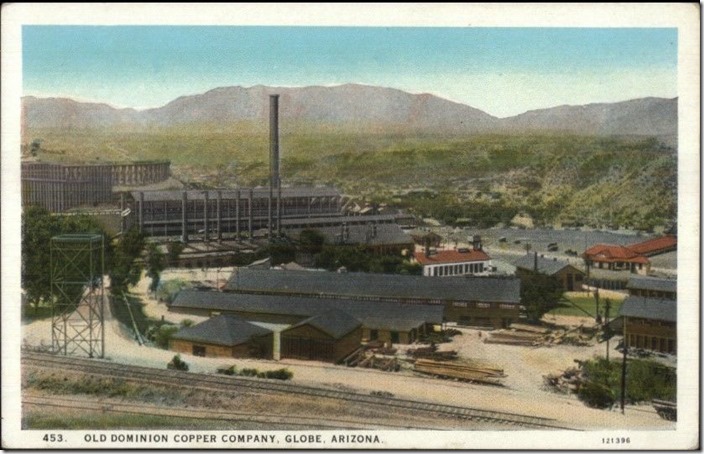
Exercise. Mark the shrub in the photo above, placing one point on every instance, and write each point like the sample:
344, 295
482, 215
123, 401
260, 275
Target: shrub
279, 374
163, 335
249, 372
177, 363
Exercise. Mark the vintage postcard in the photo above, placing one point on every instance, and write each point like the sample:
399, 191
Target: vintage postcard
414, 226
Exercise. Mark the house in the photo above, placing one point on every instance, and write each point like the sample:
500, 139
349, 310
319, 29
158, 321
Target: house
617, 258
382, 320
652, 287
648, 323
468, 300
224, 336
456, 262
328, 337
570, 278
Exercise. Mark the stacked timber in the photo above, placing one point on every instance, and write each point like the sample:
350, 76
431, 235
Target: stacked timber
467, 371
513, 338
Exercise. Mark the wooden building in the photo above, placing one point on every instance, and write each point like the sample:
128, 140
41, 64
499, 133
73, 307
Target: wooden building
570, 277
328, 337
382, 320
455, 262
224, 336
468, 300
652, 287
616, 258
648, 323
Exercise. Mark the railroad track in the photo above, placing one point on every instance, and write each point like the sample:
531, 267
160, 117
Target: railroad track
271, 421
207, 382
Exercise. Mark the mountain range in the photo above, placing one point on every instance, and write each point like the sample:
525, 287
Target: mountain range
361, 108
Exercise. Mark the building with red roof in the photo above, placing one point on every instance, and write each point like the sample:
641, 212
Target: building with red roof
454, 262
655, 246
616, 258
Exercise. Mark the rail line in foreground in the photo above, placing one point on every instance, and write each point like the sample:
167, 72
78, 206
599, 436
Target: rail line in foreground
208, 382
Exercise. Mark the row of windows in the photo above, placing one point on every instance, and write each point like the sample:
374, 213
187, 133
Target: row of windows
457, 270
482, 305
660, 344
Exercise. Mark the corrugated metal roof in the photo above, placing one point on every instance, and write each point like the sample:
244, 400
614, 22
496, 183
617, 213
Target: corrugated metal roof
351, 220
649, 308
198, 194
549, 266
466, 288
652, 283
395, 316
334, 322
226, 330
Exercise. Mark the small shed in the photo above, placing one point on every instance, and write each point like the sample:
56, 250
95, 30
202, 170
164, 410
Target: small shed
224, 336
571, 278
329, 337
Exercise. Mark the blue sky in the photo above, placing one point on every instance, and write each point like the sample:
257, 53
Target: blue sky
503, 71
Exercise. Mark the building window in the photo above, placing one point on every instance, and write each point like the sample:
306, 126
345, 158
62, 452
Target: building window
484, 305
374, 334
394, 337
198, 350
459, 304
506, 306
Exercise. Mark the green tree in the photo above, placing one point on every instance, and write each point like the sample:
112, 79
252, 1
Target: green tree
174, 250
156, 262
311, 241
125, 270
539, 294
38, 227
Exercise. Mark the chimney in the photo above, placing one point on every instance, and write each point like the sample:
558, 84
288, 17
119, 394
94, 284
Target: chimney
477, 242
535, 261
273, 158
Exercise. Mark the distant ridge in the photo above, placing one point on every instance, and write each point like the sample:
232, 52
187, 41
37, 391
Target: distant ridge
360, 107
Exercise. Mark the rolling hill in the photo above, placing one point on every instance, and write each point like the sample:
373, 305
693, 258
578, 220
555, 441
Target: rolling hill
359, 108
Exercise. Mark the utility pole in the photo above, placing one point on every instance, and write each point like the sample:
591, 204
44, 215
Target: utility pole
607, 330
623, 379
596, 297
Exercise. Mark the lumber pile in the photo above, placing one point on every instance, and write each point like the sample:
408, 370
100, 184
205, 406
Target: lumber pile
466, 371
513, 338
528, 335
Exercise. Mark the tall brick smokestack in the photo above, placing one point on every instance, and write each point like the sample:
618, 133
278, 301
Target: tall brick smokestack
274, 164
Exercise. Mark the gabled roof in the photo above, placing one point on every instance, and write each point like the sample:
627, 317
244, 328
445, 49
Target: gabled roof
549, 266
613, 253
371, 285
451, 256
649, 308
393, 316
226, 330
655, 245
333, 322
652, 283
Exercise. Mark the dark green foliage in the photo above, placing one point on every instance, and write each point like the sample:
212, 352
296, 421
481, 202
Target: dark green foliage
177, 363
163, 334
125, 270
311, 241
540, 294
156, 263
249, 372
358, 259
38, 227
281, 253
278, 374
645, 380
173, 250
